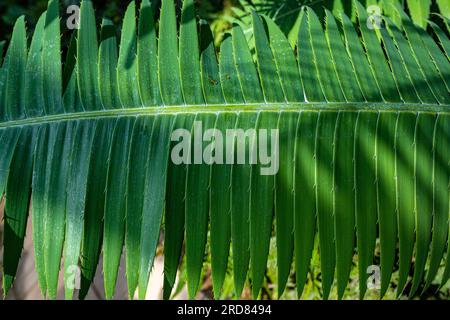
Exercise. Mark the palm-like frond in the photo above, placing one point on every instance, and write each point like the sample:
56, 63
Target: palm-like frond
363, 123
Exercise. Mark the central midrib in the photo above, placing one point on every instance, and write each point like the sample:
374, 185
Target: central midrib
224, 108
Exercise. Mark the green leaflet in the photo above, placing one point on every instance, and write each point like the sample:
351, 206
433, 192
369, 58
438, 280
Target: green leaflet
324, 168
305, 188
345, 73
440, 202
61, 137
247, 73
307, 65
197, 201
87, 54
365, 194
169, 73
418, 80
262, 197
424, 60
107, 67
70, 62
240, 203
386, 195
51, 60
285, 196
326, 70
401, 77
154, 197
189, 55
444, 7
115, 203
211, 81
76, 200
420, 11
376, 58
344, 197
360, 64
388, 8
228, 73
127, 64
147, 51
17, 204
443, 126
439, 59
446, 22
266, 65
8, 138
38, 201
339, 6
71, 98
286, 64
149, 154
404, 170
443, 40
15, 79
220, 172
138, 163
95, 204
174, 218
220, 205
423, 207
34, 95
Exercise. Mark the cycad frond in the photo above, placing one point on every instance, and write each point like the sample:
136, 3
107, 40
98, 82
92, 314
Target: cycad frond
362, 114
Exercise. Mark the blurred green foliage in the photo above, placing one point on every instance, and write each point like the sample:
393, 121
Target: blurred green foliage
219, 13
10, 10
